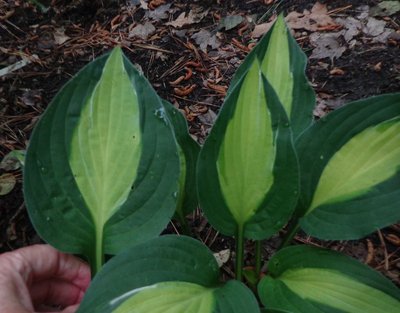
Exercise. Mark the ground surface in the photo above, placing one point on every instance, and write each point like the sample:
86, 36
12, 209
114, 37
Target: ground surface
353, 51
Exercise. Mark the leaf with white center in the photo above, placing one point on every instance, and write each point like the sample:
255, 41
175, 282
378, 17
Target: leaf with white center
174, 274
351, 165
102, 165
176, 297
310, 280
248, 162
244, 165
366, 160
283, 63
276, 64
109, 122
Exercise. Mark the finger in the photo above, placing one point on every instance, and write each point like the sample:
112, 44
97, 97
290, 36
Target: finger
40, 262
71, 309
55, 293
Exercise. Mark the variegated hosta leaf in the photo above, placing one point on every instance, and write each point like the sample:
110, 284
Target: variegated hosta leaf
351, 166
188, 153
175, 274
283, 63
247, 171
309, 280
102, 165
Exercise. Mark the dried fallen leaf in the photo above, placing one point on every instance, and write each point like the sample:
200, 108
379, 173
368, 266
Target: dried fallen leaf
374, 27
142, 31
351, 27
7, 183
208, 118
261, 29
326, 46
229, 22
194, 16
144, 5
160, 13
204, 39
60, 37
385, 8
222, 257
318, 17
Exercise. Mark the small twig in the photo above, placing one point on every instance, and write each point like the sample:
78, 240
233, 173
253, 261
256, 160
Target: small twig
384, 250
19, 210
176, 230
198, 102
213, 239
337, 10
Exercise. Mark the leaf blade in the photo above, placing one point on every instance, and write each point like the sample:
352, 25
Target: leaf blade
178, 265
283, 64
348, 187
246, 187
306, 279
270, 210
140, 204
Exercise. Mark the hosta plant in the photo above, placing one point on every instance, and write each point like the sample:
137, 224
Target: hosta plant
110, 163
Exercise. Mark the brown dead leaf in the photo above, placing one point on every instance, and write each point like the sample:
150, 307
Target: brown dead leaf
7, 183
312, 21
261, 29
326, 45
142, 31
59, 36
194, 16
204, 39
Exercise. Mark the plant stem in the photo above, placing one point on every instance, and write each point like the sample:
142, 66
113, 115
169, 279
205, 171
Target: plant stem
97, 260
258, 257
293, 229
239, 253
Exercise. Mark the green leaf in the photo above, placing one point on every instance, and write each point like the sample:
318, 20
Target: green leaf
166, 274
247, 151
102, 166
350, 164
13, 160
283, 63
247, 170
309, 280
188, 152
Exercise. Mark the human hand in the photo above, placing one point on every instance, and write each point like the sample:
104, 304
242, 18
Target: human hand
38, 278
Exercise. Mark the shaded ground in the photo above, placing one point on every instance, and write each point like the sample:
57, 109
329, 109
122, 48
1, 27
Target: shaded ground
56, 44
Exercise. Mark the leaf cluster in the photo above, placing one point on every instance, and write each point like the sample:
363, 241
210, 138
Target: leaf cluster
265, 164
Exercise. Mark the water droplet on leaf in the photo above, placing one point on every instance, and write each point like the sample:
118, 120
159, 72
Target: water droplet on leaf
160, 113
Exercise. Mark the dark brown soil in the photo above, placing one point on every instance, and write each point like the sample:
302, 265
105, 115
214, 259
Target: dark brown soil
368, 69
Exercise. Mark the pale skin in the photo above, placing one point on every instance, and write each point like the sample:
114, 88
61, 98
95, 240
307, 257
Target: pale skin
41, 279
